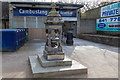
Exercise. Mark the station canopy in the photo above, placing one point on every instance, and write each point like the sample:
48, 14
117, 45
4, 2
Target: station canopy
68, 11
47, 5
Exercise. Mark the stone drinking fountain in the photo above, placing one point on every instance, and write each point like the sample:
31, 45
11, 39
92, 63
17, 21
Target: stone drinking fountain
52, 61
53, 49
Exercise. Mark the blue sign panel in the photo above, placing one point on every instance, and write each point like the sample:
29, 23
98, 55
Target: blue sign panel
108, 24
111, 10
42, 12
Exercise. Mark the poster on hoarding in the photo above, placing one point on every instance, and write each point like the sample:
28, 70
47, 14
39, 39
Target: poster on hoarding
108, 24
110, 10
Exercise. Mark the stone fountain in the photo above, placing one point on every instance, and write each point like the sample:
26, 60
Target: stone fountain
53, 49
52, 61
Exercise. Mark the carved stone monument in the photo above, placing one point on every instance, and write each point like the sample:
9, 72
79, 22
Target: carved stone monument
53, 49
52, 61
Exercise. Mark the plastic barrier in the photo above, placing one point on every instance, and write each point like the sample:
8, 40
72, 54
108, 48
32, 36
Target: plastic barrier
9, 39
12, 39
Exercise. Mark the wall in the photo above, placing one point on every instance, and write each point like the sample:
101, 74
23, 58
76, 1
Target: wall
5, 24
0, 24
87, 26
112, 33
4, 15
78, 22
91, 14
5, 10
36, 33
109, 40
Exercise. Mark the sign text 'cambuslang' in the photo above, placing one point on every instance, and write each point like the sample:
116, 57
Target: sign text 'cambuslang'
42, 12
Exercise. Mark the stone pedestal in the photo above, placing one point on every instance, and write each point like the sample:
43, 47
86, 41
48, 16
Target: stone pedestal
54, 63
41, 68
50, 57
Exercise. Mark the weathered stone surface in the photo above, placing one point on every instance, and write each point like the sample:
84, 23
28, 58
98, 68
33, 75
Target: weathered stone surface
50, 56
38, 71
54, 63
53, 49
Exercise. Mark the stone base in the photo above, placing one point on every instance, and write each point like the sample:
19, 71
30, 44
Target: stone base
40, 72
54, 63
57, 56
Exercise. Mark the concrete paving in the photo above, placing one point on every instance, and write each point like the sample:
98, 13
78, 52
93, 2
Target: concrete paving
101, 60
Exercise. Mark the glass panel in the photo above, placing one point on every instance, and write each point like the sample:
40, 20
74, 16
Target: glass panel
31, 22
41, 21
18, 21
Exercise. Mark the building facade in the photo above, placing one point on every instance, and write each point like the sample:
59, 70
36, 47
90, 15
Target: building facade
4, 15
32, 15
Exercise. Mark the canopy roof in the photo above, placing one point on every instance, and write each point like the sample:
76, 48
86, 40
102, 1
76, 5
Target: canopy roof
46, 4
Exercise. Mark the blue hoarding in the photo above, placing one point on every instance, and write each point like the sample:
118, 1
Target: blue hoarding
111, 10
108, 24
42, 12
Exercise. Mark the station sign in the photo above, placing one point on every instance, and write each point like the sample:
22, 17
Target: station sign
110, 10
108, 24
43, 12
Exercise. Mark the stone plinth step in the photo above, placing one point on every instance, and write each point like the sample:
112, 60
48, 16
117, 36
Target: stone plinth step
54, 63
40, 72
50, 57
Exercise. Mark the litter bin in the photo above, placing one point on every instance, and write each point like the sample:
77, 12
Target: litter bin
69, 40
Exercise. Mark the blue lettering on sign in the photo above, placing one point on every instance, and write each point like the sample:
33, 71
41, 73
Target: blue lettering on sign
102, 20
42, 12
111, 19
110, 13
118, 18
110, 10
101, 25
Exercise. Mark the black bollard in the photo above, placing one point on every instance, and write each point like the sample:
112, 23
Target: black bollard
69, 40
